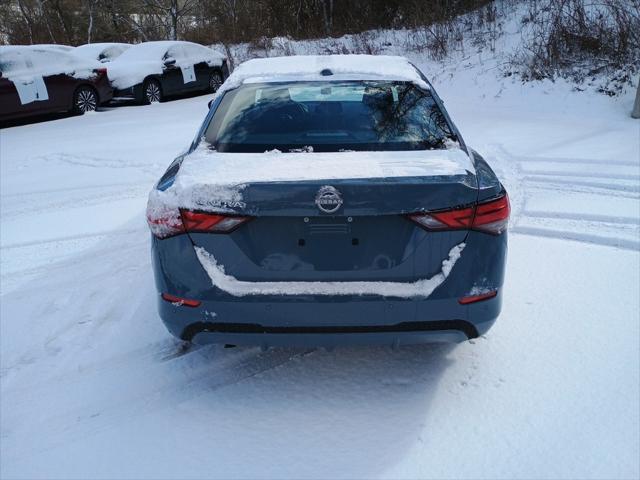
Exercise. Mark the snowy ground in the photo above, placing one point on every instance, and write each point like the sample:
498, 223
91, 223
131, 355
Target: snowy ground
93, 386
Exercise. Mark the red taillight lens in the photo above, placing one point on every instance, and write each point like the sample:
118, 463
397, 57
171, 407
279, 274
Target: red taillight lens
167, 222
211, 222
179, 301
101, 71
164, 222
450, 219
491, 217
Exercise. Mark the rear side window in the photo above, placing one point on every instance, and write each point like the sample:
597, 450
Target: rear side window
12, 63
174, 52
196, 53
44, 63
328, 116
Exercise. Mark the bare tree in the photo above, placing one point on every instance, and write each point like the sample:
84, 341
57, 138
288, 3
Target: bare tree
170, 13
27, 18
90, 9
327, 15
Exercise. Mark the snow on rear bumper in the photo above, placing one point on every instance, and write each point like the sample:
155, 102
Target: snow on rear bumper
420, 288
264, 319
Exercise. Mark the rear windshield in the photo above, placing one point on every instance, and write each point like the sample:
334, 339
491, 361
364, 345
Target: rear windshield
327, 116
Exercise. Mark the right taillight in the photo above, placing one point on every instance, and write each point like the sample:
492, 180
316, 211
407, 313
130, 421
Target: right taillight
491, 216
168, 222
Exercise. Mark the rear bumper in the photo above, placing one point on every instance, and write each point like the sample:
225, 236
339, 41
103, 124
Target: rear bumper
302, 319
331, 339
104, 89
354, 321
131, 92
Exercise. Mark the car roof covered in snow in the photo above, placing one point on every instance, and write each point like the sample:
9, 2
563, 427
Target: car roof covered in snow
149, 51
54, 46
26, 61
325, 68
97, 50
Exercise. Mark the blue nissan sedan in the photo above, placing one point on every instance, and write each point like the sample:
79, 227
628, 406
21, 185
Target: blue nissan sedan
328, 200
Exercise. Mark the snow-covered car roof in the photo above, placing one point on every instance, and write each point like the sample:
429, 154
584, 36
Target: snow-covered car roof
144, 59
18, 62
324, 68
101, 51
155, 50
53, 46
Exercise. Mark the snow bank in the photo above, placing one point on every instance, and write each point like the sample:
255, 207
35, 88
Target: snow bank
239, 288
144, 59
308, 67
212, 179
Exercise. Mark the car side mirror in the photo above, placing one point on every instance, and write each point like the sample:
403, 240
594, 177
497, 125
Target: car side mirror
169, 62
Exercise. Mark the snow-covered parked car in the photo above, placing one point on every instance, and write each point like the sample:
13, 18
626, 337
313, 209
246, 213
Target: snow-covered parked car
151, 71
328, 200
102, 52
37, 80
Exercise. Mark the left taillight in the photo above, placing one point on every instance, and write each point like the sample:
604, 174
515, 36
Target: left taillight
168, 222
163, 221
490, 217
211, 222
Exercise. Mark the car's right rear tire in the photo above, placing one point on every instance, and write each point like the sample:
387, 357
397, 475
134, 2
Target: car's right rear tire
151, 91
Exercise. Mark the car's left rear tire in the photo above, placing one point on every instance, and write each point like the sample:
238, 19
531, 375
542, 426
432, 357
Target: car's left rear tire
85, 99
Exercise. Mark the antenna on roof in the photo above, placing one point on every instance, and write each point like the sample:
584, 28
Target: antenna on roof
326, 72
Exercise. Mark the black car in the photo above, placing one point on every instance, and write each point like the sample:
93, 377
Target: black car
152, 71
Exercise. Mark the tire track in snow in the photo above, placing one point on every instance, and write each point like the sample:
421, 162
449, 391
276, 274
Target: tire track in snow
33, 203
210, 369
575, 139
608, 176
587, 186
583, 216
574, 160
589, 227
69, 189
577, 236
106, 233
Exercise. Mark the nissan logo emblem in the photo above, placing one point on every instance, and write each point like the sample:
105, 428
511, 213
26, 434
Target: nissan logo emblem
328, 199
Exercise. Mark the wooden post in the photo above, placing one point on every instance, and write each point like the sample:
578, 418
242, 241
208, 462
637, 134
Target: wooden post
636, 105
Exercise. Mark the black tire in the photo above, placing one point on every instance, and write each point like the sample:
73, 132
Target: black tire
85, 99
151, 91
215, 81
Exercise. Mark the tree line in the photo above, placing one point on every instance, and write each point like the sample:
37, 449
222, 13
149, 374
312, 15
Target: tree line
75, 22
